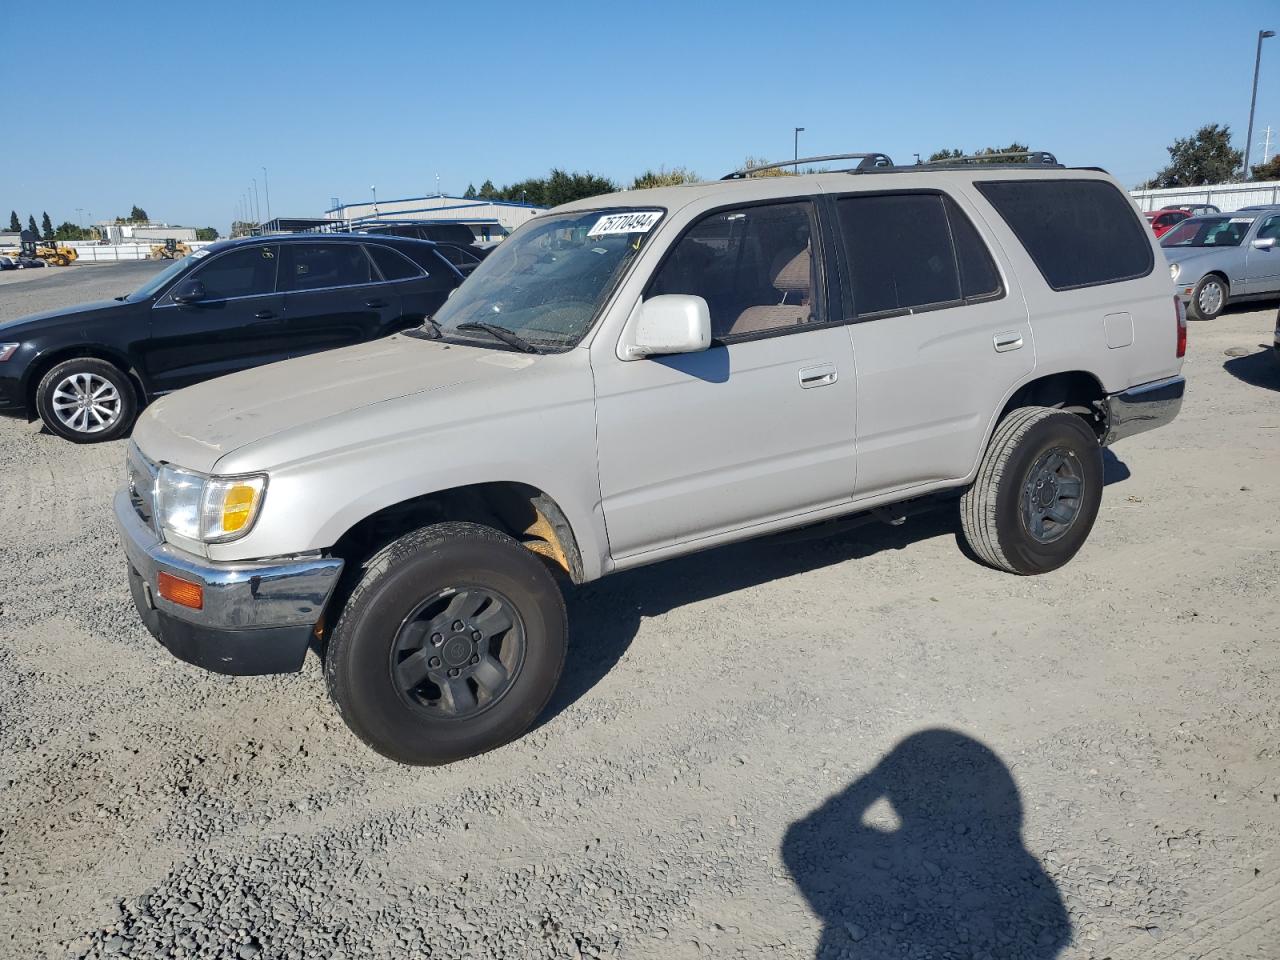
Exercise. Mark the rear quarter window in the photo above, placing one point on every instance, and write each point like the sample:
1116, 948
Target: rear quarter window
1080, 233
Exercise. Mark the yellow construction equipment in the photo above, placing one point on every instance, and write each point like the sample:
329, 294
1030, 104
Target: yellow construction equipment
50, 251
169, 250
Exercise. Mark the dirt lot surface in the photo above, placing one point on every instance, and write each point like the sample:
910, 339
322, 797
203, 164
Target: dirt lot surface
860, 746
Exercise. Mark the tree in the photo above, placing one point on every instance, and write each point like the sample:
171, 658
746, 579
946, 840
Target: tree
206, 233
15, 225
1205, 157
662, 177
46, 226
70, 231
138, 215
487, 190
957, 153
470, 193
1266, 171
751, 163
31, 225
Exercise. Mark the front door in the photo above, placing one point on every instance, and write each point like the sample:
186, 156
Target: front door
333, 297
760, 426
938, 339
235, 326
1262, 267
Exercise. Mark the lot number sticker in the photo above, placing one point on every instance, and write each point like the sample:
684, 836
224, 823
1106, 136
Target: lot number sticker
641, 221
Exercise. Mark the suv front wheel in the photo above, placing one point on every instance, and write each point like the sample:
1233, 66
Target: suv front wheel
450, 644
1037, 492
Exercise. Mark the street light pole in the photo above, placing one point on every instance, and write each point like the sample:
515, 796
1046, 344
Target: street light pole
375, 201
257, 209
795, 155
266, 189
1253, 100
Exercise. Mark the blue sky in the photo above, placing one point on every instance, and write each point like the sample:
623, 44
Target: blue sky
177, 106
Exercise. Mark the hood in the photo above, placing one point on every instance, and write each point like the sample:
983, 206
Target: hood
1187, 254
196, 427
64, 317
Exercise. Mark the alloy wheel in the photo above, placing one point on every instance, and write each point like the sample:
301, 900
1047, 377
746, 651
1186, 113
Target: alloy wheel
87, 403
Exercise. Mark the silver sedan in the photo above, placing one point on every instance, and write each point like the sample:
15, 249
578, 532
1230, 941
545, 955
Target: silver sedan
1224, 257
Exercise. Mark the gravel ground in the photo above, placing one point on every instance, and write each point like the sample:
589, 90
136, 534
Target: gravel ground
860, 746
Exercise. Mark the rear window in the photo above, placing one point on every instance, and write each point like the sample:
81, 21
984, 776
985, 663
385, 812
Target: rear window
912, 252
1080, 233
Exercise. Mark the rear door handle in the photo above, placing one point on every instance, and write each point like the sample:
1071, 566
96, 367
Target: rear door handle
821, 375
265, 315
375, 304
1008, 341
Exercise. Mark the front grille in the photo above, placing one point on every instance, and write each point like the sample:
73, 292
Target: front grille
142, 475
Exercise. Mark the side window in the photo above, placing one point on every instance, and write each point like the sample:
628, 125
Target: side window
1270, 228
979, 279
318, 266
247, 272
755, 266
1080, 233
392, 265
456, 255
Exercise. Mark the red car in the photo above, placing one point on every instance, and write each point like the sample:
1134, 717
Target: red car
1162, 221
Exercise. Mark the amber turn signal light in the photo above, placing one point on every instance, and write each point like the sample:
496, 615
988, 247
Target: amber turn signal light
182, 592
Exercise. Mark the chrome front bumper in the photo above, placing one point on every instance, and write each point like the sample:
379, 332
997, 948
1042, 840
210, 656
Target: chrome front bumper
1142, 408
256, 617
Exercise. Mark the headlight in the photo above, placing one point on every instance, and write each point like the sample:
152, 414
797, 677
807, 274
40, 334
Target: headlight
210, 509
7, 350
1174, 270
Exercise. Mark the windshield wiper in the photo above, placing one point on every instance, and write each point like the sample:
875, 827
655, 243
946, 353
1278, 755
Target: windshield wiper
513, 340
430, 330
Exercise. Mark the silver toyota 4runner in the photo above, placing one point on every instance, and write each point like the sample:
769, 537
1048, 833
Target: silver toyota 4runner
642, 375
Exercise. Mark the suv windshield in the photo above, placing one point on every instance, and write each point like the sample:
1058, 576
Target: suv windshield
547, 282
1208, 232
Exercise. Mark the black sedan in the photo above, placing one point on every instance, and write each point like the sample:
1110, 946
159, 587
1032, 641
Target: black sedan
87, 371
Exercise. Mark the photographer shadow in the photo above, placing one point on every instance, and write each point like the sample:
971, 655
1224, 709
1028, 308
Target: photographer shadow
923, 856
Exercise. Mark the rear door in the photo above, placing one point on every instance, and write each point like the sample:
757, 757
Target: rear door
235, 326
939, 337
422, 280
334, 296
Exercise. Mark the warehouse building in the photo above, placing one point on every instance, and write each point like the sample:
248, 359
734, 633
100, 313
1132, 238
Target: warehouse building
488, 219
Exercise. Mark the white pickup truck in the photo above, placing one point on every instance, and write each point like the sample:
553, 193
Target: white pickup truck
642, 375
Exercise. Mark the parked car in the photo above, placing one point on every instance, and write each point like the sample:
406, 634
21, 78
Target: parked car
23, 262
1214, 260
643, 375
1162, 221
86, 371
456, 240
8, 263
1193, 209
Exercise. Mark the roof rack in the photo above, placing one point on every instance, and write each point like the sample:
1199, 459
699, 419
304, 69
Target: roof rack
1033, 158
867, 161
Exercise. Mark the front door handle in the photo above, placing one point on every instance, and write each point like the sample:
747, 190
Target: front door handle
821, 375
1008, 341
265, 315
375, 304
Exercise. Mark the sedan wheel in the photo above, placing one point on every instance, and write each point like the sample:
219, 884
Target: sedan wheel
1209, 298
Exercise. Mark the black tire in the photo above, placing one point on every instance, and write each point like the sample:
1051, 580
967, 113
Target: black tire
1205, 288
109, 415
1036, 455
397, 591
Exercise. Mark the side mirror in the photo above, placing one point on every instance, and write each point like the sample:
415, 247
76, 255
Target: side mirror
671, 323
1264, 243
188, 291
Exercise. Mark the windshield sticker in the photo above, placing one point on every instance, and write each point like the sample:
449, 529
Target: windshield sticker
637, 222
197, 254
1241, 220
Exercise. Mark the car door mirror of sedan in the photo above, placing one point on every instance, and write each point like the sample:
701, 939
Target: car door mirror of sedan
188, 291
1264, 243
671, 323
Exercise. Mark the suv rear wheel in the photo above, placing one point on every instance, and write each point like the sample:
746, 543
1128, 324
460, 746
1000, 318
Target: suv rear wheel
87, 400
1037, 492
450, 644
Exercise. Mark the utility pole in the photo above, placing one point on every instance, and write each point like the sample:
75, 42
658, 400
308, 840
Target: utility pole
266, 189
375, 201
795, 155
1253, 101
1266, 145
257, 209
